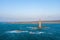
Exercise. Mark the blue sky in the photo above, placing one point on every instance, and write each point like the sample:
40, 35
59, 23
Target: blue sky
29, 10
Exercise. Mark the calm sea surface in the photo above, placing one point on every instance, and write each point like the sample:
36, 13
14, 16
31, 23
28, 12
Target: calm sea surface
29, 31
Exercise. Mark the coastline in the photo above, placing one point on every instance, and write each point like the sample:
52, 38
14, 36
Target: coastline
33, 22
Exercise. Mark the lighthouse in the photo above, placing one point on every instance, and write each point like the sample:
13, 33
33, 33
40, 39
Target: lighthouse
40, 23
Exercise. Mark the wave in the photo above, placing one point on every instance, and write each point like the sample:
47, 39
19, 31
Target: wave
15, 31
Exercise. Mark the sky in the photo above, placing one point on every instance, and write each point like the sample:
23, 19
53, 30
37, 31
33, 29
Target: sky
29, 10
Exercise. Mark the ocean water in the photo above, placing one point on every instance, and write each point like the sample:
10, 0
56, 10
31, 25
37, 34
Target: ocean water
49, 31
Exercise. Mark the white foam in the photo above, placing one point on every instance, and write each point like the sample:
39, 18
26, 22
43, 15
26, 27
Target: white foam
32, 28
36, 32
15, 31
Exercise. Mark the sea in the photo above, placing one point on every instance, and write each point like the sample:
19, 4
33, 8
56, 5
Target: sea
49, 31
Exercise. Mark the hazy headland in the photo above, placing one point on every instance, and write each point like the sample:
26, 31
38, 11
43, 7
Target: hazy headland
35, 22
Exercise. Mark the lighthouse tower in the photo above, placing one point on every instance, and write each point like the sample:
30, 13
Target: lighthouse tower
40, 23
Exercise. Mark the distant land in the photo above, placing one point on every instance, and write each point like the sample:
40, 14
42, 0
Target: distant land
35, 22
